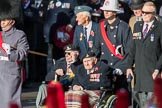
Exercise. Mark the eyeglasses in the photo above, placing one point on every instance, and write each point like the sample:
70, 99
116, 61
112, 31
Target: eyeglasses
144, 12
68, 53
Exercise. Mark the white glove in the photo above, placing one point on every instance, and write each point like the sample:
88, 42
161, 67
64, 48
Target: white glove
118, 71
7, 48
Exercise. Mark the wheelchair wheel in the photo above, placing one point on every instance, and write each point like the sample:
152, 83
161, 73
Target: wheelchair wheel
110, 102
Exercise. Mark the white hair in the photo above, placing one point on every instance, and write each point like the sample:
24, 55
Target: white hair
85, 13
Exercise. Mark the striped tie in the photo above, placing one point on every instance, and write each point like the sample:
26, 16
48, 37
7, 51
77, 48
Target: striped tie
145, 31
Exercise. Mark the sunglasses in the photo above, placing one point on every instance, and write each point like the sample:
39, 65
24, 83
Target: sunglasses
144, 12
68, 53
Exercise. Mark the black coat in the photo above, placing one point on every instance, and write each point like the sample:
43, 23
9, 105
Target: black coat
81, 43
61, 64
146, 54
93, 81
119, 33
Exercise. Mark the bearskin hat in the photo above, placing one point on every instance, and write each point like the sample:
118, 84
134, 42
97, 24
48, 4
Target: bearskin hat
9, 9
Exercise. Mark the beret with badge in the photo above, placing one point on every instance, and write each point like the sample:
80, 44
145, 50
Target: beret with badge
71, 47
83, 8
90, 54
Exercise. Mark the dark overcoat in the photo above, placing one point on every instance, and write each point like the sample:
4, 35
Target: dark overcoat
119, 33
65, 79
80, 42
146, 53
93, 81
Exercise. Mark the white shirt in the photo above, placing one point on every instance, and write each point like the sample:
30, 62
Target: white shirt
149, 25
89, 26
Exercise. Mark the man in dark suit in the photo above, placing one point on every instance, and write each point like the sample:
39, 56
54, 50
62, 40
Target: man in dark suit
90, 77
145, 52
86, 30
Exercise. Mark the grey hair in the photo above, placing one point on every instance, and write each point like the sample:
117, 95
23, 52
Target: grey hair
149, 3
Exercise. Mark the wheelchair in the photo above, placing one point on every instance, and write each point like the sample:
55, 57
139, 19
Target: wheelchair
107, 99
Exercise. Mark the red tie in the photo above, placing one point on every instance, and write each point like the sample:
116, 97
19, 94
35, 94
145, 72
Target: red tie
145, 31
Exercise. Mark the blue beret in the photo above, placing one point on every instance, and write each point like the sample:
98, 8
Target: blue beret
82, 8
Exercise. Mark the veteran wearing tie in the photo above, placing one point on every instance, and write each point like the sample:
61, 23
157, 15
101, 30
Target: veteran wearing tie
146, 52
86, 30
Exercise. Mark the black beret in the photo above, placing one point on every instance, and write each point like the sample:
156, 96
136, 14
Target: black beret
89, 54
71, 47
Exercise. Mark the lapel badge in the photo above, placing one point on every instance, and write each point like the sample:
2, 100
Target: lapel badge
152, 37
92, 33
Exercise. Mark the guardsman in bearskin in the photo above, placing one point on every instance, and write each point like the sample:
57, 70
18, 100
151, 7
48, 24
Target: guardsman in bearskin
90, 76
113, 39
85, 32
11, 58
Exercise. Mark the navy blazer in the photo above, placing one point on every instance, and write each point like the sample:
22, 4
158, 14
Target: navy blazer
79, 39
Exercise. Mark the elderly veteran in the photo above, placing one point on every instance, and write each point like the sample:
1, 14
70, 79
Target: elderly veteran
89, 78
145, 53
64, 68
85, 32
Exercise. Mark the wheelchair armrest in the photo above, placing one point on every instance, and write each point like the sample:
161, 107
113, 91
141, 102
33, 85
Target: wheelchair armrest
106, 89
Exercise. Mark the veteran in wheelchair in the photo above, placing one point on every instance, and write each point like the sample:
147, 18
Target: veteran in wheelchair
62, 71
90, 77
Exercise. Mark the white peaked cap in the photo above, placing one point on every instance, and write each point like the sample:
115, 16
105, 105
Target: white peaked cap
111, 5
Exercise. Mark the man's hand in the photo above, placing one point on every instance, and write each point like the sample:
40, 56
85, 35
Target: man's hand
7, 48
155, 73
76, 87
129, 72
59, 72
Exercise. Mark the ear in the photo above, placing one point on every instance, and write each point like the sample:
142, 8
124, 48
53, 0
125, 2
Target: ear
95, 60
12, 21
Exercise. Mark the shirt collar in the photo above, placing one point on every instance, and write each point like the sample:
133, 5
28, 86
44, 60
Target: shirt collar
89, 25
90, 71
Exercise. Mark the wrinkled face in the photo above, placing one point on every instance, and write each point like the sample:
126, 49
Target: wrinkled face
89, 63
71, 56
109, 15
137, 12
81, 18
148, 13
7, 24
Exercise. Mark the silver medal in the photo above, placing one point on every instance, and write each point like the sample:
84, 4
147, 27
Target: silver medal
152, 37
58, 4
